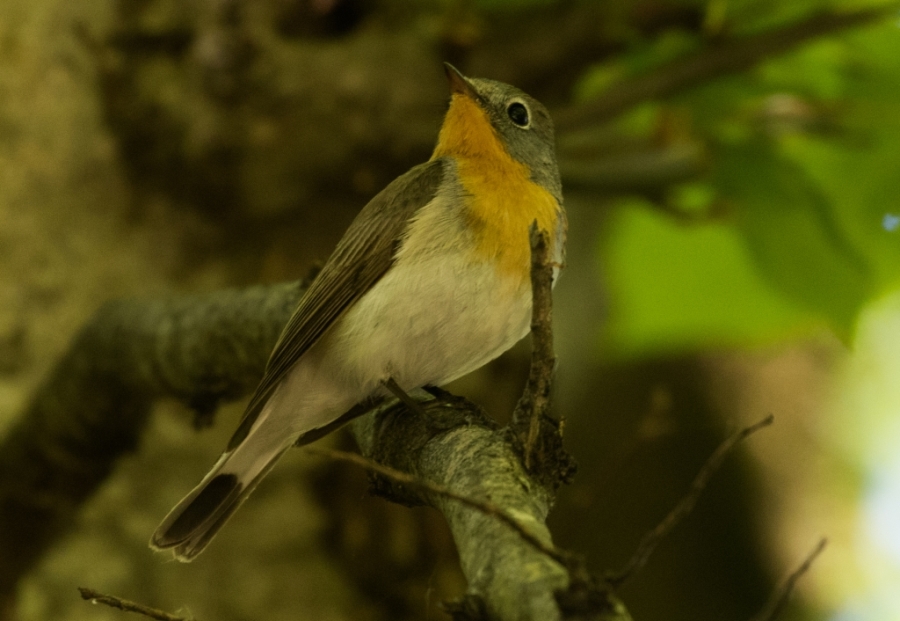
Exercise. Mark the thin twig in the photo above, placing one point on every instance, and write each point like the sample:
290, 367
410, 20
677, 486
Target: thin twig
718, 59
780, 598
128, 606
485, 506
535, 400
685, 506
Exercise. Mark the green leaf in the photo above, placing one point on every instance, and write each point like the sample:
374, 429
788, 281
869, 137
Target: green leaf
792, 231
674, 287
864, 185
857, 166
814, 199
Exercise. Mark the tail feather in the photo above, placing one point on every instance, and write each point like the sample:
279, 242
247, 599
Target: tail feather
197, 511
194, 521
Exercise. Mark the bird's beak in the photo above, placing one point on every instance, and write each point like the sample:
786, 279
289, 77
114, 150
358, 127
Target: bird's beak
459, 83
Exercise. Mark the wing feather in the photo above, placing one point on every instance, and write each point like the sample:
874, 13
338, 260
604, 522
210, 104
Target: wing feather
360, 259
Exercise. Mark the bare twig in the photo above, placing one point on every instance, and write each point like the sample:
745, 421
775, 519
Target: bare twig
128, 606
685, 506
535, 400
727, 57
485, 506
534, 434
780, 598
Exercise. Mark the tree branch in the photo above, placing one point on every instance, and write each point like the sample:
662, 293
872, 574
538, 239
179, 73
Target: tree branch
780, 598
127, 606
458, 447
205, 348
424, 486
648, 544
93, 407
535, 435
714, 61
534, 404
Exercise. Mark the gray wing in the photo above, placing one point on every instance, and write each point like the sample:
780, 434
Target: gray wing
361, 258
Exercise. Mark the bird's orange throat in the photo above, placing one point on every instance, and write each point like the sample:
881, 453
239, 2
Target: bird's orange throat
501, 199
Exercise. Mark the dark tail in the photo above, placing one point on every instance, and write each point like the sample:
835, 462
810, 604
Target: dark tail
194, 521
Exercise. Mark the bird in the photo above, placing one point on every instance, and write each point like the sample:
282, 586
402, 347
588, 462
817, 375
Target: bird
430, 281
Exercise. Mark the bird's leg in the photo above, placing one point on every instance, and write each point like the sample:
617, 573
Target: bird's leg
442, 397
435, 392
398, 392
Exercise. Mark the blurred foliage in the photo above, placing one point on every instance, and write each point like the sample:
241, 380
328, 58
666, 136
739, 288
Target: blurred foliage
794, 223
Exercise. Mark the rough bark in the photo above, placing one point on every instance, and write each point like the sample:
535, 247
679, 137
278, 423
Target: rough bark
459, 447
93, 407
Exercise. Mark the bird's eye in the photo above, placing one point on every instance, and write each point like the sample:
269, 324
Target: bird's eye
518, 114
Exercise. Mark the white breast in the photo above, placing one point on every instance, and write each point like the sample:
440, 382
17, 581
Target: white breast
429, 322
